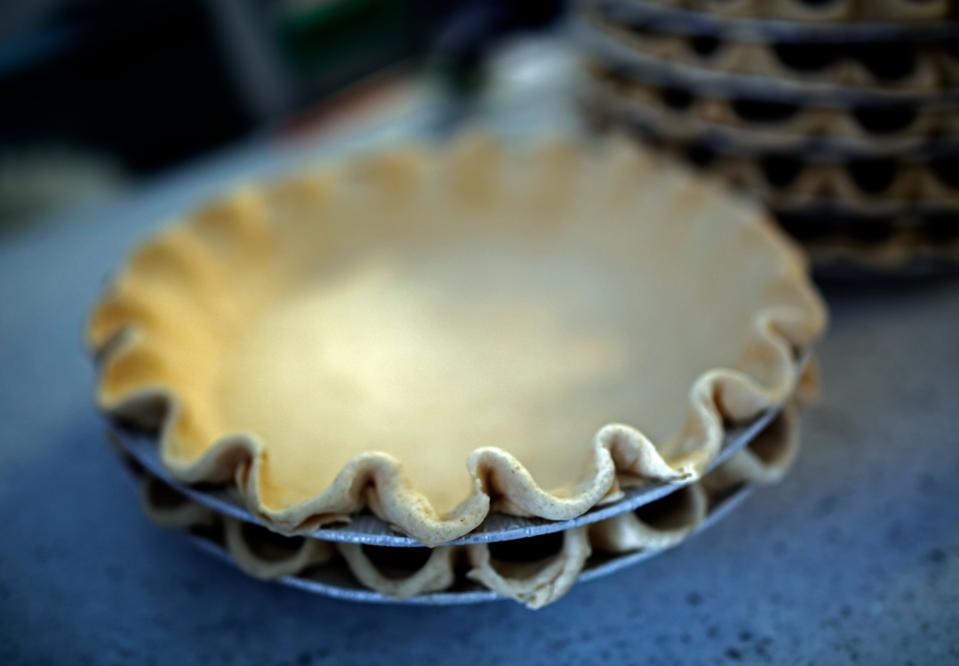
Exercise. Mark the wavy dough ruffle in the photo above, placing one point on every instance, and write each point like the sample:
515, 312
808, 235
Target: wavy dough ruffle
535, 571
436, 332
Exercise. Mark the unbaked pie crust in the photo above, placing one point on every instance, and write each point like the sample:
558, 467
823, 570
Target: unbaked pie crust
437, 332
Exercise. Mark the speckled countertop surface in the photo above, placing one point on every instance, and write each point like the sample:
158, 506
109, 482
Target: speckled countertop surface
853, 559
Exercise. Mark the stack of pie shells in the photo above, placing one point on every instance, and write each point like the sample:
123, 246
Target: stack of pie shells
205, 354
534, 571
842, 117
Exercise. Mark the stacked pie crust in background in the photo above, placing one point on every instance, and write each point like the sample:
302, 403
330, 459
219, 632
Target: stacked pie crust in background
430, 338
841, 116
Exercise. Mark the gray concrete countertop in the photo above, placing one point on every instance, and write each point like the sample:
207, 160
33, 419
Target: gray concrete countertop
854, 558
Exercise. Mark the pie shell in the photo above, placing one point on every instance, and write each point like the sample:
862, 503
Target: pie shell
186, 295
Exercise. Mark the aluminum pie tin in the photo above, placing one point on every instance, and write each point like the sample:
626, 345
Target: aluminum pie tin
921, 67
338, 584
744, 141
691, 22
606, 46
366, 529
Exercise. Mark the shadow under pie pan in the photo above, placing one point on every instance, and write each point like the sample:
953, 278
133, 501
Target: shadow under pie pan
534, 571
435, 333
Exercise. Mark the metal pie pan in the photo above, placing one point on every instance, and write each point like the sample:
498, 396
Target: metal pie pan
339, 584
742, 142
724, 84
691, 22
367, 529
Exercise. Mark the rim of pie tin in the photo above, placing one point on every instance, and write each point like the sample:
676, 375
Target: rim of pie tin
337, 584
690, 21
366, 529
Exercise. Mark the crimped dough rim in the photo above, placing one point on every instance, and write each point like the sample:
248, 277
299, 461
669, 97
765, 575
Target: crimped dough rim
534, 584
374, 479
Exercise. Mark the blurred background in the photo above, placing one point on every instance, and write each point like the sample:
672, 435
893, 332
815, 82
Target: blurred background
840, 116
100, 94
